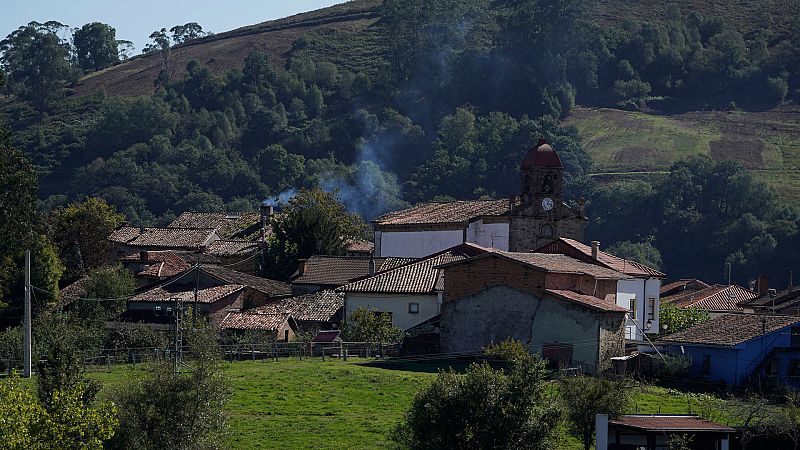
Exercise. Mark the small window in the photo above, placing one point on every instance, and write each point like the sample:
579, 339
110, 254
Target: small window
413, 308
706, 364
547, 230
794, 368
795, 337
651, 308
633, 308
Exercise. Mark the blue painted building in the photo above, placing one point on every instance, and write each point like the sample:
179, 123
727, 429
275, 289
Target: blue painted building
732, 347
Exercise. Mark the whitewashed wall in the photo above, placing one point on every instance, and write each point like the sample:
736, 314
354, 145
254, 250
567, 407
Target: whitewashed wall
627, 289
492, 235
416, 244
397, 304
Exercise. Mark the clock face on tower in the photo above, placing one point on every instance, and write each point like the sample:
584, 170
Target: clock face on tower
547, 204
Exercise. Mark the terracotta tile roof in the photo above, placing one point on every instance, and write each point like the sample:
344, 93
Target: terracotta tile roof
186, 294
422, 276
784, 302
730, 329
340, 270
574, 248
587, 300
241, 320
159, 264
713, 298
359, 247
72, 292
456, 212
226, 248
321, 306
665, 422
556, 263
167, 238
271, 288
685, 284
228, 225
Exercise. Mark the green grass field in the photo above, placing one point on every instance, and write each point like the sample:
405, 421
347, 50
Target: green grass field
336, 404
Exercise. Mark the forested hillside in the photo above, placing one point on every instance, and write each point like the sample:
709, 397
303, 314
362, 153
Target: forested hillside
398, 102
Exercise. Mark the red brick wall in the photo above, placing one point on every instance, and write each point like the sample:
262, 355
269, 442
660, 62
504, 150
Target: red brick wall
475, 276
583, 284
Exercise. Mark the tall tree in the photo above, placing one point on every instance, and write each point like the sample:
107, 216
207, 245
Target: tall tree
161, 44
187, 32
96, 46
36, 61
585, 397
80, 230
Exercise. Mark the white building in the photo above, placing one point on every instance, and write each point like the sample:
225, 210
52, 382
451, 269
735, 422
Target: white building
411, 293
640, 294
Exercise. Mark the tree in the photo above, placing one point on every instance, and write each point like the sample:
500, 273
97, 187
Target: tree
368, 325
81, 230
36, 62
483, 408
125, 49
641, 252
112, 285
187, 32
183, 410
785, 419
313, 222
161, 44
752, 415
68, 423
278, 168
96, 46
585, 397
674, 319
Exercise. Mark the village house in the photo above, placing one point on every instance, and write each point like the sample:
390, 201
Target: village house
682, 285
639, 293
323, 310
219, 291
732, 348
277, 327
652, 431
773, 302
410, 293
560, 306
150, 267
320, 272
520, 223
717, 299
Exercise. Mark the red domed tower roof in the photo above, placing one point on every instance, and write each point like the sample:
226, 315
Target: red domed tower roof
542, 155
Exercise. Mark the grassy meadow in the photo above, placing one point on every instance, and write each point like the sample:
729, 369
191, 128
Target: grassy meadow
337, 404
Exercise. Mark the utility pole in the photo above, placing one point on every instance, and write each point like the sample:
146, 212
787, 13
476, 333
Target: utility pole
178, 337
729, 273
26, 363
196, 286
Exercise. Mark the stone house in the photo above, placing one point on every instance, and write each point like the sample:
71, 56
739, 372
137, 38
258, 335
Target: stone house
561, 307
519, 223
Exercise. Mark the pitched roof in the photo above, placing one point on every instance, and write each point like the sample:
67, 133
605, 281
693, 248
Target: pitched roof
422, 276
730, 329
684, 284
228, 225
456, 212
556, 263
226, 248
784, 302
587, 300
74, 291
360, 247
340, 270
320, 306
667, 422
272, 288
158, 264
242, 320
205, 295
713, 298
574, 248
168, 238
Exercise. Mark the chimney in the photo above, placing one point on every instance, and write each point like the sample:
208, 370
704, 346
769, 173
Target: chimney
511, 201
595, 249
301, 267
763, 284
371, 266
266, 213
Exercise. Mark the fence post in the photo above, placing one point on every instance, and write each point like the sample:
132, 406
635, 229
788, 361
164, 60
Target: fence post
253, 351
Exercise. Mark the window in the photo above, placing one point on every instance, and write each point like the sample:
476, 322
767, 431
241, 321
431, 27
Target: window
633, 308
413, 308
547, 230
651, 308
706, 364
794, 368
795, 337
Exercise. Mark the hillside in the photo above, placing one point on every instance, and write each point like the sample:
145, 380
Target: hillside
623, 144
